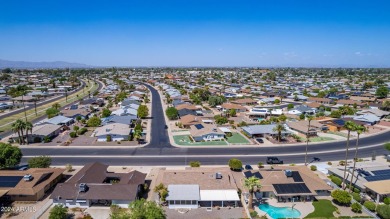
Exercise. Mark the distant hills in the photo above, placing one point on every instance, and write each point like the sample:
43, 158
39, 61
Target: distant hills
32, 65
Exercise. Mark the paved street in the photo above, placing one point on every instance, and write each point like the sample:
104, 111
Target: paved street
161, 152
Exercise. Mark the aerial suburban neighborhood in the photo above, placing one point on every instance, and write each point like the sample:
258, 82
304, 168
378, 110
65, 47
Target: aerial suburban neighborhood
236, 143
195, 109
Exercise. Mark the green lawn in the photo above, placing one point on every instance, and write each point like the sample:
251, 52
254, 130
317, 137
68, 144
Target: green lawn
237, 138
318, 139
342, 134
322, 209
186, 141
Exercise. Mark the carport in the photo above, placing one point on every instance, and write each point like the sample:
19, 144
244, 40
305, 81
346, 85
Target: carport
221, 198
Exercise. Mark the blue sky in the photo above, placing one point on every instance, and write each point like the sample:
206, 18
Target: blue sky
294, 33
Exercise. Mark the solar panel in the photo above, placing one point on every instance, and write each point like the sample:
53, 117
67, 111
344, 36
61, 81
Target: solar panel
293, 188
199, 126
248, 174
258, 175
9, 181
339, 122
73, 107
296, 176
381, 172
377, 178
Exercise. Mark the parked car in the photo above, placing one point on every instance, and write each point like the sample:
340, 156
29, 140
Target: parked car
274, 160
261, 141
248, 167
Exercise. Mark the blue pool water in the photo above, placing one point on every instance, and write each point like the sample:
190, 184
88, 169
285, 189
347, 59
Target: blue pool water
277, 212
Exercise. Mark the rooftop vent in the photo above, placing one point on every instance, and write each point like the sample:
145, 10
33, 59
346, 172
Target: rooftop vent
214, 129
27, 177
83, 187
288, 173
218, 175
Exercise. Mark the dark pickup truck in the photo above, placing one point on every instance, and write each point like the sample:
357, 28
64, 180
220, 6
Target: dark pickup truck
274, 160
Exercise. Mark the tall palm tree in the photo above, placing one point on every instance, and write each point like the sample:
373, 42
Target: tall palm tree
252, 184
279, 128
29, 127
309, 118
16, 129
350, 126
359, 129
20, 126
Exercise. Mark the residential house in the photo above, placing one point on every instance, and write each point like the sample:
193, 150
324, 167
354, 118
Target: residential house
28, 185
206, 132
302, 127
60, 120
320, 100
244, 102
369, 119
93, 185
117, 131
74, 113
40, 132
127, 120
377, 112
201, 187
229, 106
184, 112
254, 131
189, 120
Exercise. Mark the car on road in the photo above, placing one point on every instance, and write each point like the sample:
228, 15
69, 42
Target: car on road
316, 159
248, 167
274, 160
261, 141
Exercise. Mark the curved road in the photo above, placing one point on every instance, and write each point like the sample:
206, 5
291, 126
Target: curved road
160, 152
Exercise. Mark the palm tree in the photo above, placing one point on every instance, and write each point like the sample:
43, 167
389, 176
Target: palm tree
252, 184
16, 129
359, 129
279, 128
350, 126
29, 127
309, 118
56, 105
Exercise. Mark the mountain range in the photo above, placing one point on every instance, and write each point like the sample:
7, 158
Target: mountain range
24, 64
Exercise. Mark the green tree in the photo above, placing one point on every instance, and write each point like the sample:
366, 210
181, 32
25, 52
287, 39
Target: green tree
171, 113
386, 105
51, 112
383, 211
142, 111
216, 100
341, 197
9, 155
252, 184
39, 162
235, 164
28, 127
76, 128
106, 113
277, 101
58, 212
290, 106
387, 146
220, 120
162, 191
142, 209
356, 207
335, 114
17, 127
94, 121
232, 112
350, 126
279, 128
56, 106
282, 118
382, 92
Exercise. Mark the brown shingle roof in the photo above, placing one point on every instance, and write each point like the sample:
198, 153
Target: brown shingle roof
232, 106
186, 106
190, 120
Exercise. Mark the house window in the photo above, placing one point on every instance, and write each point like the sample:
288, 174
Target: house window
188, 202
194, 202
171, 202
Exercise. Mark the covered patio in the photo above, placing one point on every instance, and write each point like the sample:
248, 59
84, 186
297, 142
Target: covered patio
218, 198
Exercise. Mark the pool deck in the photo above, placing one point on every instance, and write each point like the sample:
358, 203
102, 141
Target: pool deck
304, 207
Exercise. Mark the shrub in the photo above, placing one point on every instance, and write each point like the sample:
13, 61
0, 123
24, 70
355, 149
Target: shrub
341, 197
383, 211
194, 164
356, 207
235, 164
229, 134
356, 190
39, 162
313, 167
46, 139
82, 131
356, 196
336, 180
73, 134
386, 200
329, 163
108, 138
69, 167
342, 162
370, 205
260, 165
253, 213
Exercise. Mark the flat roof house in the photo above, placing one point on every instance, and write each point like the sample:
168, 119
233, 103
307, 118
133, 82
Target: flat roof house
93, 185
262, 130
28, 185
199, 188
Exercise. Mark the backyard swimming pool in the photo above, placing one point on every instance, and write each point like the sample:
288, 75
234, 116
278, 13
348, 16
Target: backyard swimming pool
280, 212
